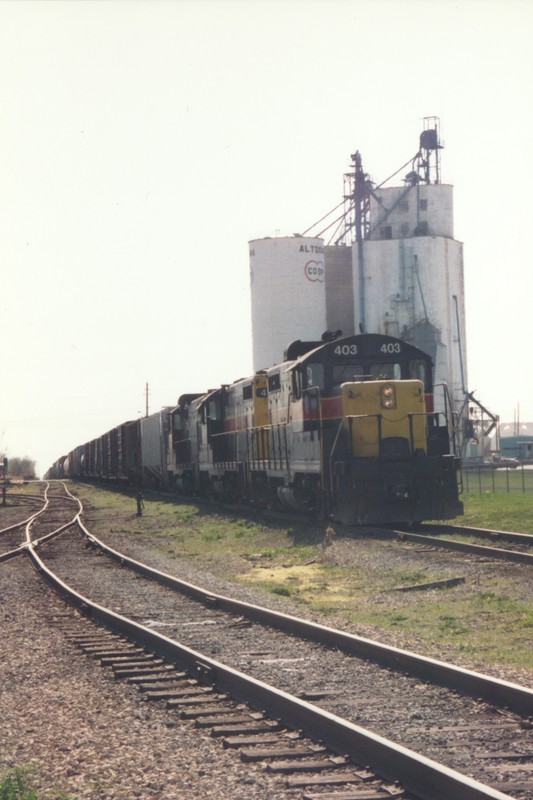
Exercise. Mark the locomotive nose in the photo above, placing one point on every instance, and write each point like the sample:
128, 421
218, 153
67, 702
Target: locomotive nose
385, 418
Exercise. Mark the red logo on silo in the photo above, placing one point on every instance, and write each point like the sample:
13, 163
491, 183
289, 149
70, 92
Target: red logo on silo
314, 271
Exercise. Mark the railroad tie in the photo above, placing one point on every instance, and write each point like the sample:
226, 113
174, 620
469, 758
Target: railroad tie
233, 717
297, 751
261, 739
132, 671
194, 701
116, 654
198, 713
356, 794
131, 662
264, 726
174, 681
159, 675
100, 639
314, 765
186, 690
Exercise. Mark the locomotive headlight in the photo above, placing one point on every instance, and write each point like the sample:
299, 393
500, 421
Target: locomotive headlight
388, 397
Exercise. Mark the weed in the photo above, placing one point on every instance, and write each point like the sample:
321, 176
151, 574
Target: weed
213, 537
17, 784
410, 578
284, 591
452, 625
397, 619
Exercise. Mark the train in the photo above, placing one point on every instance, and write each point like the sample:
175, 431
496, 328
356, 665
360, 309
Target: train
348, 428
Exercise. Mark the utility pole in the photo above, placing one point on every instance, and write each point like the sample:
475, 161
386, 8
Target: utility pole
3, 479
146, 395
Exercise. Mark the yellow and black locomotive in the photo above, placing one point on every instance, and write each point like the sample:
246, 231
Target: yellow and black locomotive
345, 428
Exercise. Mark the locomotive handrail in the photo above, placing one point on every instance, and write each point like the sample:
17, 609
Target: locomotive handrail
274, 447
332, 452
448, 414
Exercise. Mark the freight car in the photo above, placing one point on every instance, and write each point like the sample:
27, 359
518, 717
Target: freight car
348, 428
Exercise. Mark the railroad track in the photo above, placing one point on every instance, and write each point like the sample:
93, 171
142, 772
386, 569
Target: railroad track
55, 511
525, 539
431, 535
484, 734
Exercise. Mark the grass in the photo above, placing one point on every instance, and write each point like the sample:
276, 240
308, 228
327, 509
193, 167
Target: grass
486, 621
499, 511
17, 783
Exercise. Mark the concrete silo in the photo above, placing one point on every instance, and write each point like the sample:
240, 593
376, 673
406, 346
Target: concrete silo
409, 280
287, 279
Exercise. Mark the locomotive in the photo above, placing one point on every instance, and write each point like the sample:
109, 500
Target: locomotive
349, 429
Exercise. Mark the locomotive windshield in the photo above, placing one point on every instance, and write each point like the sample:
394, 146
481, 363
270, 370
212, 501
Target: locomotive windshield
350, 372
328, 379
359, 358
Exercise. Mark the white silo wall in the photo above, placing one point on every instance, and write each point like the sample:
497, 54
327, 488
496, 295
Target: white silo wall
287, 280
409, 281
423, 209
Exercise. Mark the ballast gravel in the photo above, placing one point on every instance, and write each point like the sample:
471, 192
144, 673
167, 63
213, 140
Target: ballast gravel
89, 736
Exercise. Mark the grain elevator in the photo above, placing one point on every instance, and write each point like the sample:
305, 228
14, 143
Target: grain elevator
389, 264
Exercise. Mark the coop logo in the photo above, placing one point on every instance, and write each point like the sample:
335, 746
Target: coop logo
314, 271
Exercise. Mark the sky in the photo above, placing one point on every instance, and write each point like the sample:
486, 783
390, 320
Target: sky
143, 143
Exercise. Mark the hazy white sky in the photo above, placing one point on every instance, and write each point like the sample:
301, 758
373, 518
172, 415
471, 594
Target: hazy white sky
143, 143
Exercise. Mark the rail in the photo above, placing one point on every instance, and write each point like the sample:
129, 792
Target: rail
418, 774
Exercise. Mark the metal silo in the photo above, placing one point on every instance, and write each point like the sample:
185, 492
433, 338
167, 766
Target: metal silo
287, 278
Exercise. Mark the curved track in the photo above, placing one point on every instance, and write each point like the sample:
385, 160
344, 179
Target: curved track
38, 528
418, 774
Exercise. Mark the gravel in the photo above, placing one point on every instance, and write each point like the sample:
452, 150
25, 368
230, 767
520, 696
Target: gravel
92, 737
414, 713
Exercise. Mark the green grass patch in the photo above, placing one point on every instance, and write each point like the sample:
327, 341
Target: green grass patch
490, 627
488, 619
498, 511
17, 783
284, 591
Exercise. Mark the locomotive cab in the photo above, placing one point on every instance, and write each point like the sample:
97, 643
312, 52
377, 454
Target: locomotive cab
382, 453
